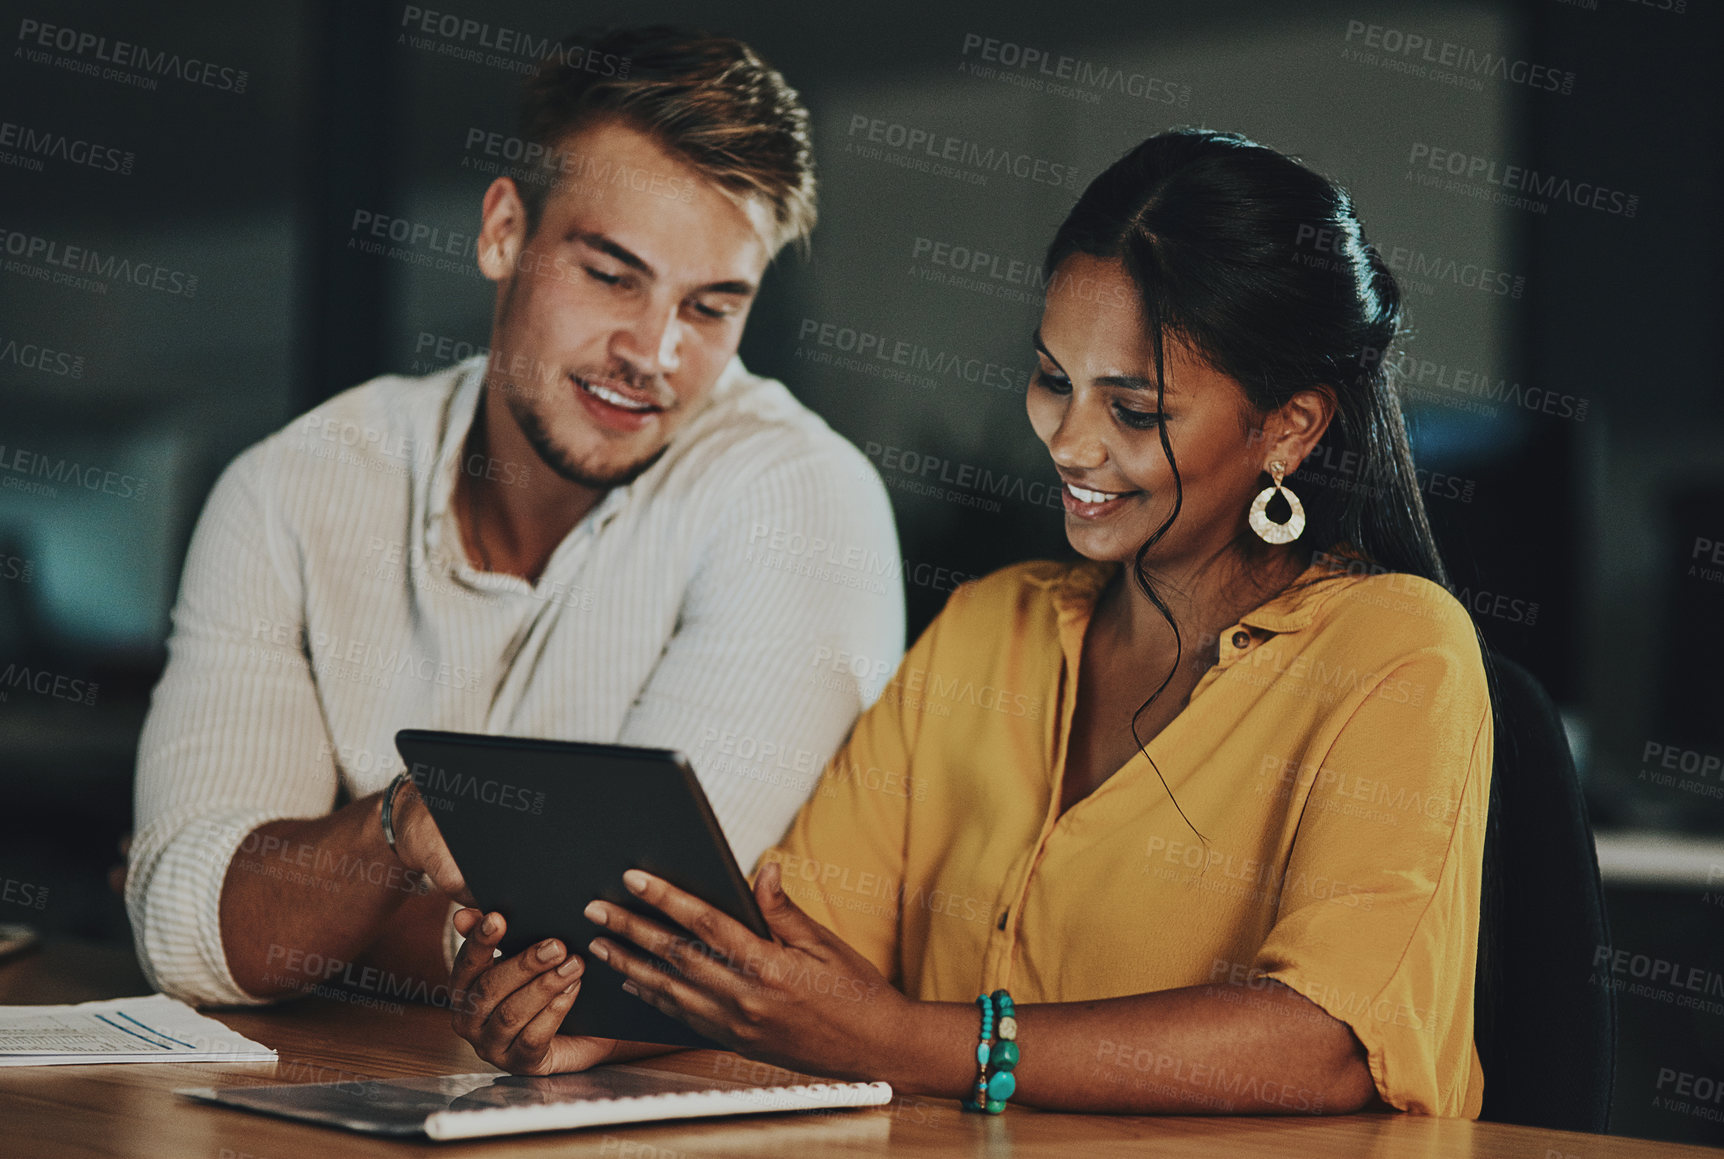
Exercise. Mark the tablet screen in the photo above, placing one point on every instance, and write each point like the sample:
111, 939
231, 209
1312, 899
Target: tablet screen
540, 828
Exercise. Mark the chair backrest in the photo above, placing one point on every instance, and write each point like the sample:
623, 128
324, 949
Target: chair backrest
1546, 1028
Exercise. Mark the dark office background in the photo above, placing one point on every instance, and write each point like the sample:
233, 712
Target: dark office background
1580, 538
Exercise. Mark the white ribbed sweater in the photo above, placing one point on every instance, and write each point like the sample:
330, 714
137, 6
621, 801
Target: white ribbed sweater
740, 601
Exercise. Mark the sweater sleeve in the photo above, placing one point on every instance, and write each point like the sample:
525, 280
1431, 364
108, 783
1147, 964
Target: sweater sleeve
235, 736
845, 856
789, 627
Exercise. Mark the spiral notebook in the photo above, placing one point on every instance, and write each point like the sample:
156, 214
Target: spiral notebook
472, 1106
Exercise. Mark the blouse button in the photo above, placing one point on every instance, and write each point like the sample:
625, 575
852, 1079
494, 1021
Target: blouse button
1241, 639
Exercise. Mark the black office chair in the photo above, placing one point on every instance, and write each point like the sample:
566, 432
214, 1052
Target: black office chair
1546, 1034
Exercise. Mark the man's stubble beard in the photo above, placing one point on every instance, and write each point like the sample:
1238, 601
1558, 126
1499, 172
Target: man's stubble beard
520, 404
559, 460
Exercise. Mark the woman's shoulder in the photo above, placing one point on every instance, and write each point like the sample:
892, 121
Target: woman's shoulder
1033, 583
1396, 616
1396, 596
1022, 599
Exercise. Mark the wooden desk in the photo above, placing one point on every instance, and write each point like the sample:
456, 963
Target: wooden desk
61, 1111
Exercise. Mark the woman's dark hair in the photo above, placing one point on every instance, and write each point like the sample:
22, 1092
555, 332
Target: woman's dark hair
1258, 266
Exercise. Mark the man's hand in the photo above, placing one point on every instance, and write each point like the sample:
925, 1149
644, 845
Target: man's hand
511, 1008
419, 844
351, 900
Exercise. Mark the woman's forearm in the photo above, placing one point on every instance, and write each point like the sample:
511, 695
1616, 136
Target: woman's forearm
1212, 1049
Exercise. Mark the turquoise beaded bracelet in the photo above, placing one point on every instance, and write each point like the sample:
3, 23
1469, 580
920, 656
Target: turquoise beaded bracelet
994, 1090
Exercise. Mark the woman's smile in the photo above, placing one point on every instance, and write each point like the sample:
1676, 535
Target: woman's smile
1093, 503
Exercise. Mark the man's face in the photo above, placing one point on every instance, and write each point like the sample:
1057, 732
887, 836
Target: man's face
619, 311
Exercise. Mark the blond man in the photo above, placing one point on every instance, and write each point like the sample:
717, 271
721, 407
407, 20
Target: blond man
606, 529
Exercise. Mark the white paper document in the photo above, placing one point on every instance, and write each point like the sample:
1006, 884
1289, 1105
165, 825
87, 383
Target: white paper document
152, 1029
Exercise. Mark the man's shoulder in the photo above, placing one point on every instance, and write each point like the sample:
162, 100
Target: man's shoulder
376, 437
754, 424
392, 422
364, 417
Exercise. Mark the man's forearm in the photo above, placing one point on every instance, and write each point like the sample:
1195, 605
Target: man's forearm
302, 898
1198, 1050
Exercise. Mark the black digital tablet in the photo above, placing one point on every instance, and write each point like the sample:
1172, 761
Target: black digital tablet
539, 828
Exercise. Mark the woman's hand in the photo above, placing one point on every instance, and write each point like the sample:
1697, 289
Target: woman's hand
510, 1008
804, 1000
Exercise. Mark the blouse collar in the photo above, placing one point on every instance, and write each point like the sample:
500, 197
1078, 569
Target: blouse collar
1076, 589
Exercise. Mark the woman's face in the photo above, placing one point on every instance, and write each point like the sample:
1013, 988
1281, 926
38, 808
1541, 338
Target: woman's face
1092, 402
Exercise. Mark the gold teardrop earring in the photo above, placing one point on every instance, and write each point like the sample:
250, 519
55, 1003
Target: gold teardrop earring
1267, 529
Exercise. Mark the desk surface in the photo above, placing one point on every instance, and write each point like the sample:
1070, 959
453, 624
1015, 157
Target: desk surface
60, 1111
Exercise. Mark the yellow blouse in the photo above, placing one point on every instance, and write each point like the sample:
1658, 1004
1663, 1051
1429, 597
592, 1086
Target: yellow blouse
1336, 761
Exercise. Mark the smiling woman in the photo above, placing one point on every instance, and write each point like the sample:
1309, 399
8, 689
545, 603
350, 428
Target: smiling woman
1224, 852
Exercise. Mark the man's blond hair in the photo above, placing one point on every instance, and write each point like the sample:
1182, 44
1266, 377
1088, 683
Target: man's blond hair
710, 100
